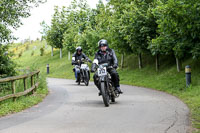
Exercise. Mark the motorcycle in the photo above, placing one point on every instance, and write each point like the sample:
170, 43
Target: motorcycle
106, 86
84, 72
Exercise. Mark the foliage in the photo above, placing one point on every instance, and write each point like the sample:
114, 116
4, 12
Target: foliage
32, 53
178, 28
44, 30
116, 27
20, 54
41, 51
77, 18
11, 13
6, 65
158, 27
57, 29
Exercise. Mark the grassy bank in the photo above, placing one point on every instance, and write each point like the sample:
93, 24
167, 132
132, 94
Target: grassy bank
24, 102
167, 79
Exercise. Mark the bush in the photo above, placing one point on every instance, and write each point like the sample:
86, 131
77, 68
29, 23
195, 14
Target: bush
20, 54
41, 51
7, 66
32, 53
27, 46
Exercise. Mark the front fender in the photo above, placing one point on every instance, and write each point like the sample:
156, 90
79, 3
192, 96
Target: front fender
103, 78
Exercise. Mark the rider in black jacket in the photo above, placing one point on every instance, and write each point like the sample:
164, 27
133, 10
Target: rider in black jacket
107, 55
76, 57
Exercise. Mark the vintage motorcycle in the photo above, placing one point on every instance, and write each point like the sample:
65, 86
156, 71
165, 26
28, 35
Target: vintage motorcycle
105, 84
84, 72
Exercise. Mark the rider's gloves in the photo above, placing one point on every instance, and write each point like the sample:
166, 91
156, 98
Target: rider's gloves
90, 61
115, 66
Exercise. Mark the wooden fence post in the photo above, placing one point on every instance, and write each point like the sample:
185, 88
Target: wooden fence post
36, 81
25, 85
32, 82
13, 89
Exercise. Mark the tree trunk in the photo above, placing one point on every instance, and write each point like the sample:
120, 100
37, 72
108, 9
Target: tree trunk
122, 61
60, 53
157, 62
179, 64
68, 55
51, 50
140, 60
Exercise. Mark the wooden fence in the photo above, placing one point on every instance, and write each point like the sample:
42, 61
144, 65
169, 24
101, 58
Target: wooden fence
24, 77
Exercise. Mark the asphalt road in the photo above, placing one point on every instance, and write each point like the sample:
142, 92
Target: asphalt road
70, 108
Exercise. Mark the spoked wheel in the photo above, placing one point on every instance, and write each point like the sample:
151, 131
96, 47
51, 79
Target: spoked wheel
86, 79
113, 94
105, 95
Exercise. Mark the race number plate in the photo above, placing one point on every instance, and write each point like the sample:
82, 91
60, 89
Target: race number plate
83, 66
102, 71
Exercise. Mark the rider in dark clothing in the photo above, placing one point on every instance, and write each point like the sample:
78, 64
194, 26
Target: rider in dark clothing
107, 55
76, 60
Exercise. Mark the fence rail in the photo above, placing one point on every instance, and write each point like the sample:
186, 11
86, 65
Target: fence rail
13, 79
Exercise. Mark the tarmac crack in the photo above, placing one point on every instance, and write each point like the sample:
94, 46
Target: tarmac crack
173, 123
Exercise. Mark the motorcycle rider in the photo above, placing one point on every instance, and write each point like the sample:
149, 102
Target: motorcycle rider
107, 55
76, 60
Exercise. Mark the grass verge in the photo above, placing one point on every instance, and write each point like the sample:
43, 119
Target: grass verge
24, 102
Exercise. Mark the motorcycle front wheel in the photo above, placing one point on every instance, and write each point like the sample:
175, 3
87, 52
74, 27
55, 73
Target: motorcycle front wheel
86, 79
105, 95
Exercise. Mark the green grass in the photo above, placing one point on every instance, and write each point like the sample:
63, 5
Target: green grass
24, 102
8, 106
167, 79
170, 81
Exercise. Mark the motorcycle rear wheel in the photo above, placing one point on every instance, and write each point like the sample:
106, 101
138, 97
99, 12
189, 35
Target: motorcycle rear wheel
105, 95
79, 78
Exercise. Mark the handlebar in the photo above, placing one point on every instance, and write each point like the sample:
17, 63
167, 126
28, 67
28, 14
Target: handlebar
83, 60
105, 65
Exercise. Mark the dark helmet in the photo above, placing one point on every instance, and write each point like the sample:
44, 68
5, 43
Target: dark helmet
103, 42
78, 49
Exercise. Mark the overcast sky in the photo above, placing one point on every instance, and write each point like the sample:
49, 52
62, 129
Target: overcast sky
31, 25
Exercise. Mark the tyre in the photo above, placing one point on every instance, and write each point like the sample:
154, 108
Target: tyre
79, 79
105, 95
86, 79
113, 99
89, 74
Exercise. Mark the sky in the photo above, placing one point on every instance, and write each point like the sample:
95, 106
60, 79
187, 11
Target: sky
31, 25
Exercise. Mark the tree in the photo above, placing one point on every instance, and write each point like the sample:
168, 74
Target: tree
57, 30
44, 30
11, 13
139, 26
178, 31
117, 21
77, 17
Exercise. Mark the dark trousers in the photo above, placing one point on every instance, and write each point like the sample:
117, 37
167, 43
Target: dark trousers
114, 77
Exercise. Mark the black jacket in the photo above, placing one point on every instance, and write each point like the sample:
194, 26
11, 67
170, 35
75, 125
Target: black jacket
109, 57
76, 57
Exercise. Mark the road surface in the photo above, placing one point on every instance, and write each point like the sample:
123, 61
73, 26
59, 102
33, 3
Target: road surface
70, 108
